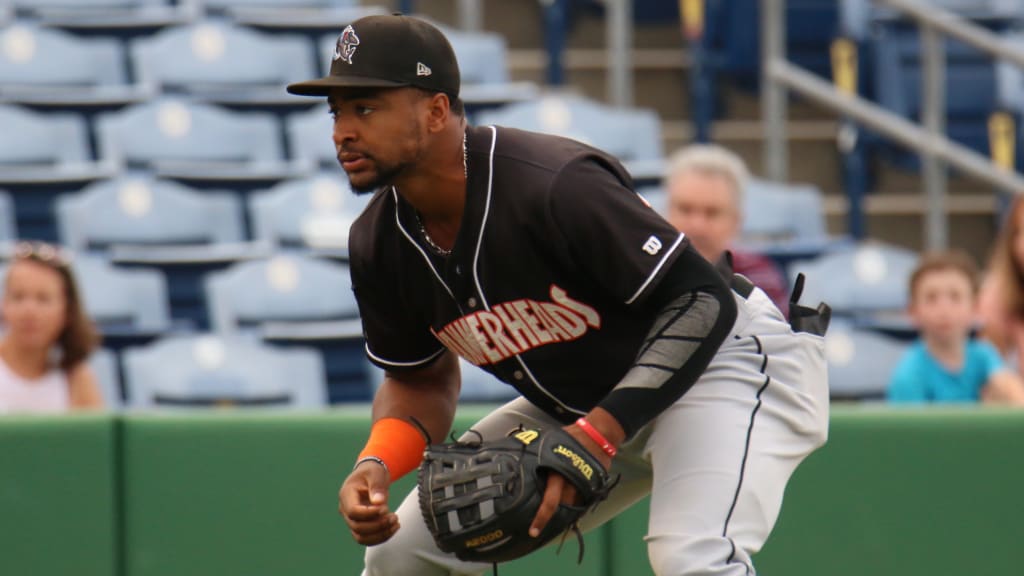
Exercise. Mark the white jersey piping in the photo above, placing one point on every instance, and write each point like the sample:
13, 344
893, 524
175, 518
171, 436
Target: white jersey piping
654, 272
476, 275
430, 264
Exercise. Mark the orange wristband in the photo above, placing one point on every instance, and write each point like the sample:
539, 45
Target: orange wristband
396, 444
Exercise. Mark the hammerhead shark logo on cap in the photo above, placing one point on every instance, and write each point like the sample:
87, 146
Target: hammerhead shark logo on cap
346, 46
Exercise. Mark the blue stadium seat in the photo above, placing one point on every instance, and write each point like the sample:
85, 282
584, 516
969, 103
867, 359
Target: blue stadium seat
775, 213
632, 135
8, 224
139, 210
218, 59
295, 299
898, 72
41, 142
1010, 79
217, 6
867, 279
860, 362
990, 11
312, 17
186, 139
108, 377
289, 287
309, 138
314, 212
120, 298
210, 371
138, 221
124, 16
734, 38
34, 59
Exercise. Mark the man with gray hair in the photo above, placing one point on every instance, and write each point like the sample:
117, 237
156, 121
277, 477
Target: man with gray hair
705, 201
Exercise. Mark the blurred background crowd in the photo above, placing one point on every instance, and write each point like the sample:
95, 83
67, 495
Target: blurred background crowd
174, 225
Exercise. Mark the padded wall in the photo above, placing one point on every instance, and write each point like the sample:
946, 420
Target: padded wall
902, 492
58, 510
256, 494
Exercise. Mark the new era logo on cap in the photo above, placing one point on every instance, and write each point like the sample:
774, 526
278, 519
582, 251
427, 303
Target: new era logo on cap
422, 69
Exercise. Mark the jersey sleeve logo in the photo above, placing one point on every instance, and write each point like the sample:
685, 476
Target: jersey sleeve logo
652, 246
511, 328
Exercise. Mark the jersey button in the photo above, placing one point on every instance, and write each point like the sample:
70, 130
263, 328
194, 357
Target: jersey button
471, 302
518, 374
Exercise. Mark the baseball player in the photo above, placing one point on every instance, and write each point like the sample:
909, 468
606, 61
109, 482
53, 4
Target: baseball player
531, 256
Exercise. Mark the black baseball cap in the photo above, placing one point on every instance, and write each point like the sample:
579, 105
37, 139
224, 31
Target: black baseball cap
389, 51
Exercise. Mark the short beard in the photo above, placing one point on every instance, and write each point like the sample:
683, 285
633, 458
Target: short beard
385, 177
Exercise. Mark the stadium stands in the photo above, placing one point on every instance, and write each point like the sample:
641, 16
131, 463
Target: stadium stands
867, 281
220, 61
140, 210
36, 61
314, 212
632, 135
119, 299
210, 371
293, 299
286, 288
860, 361
37, 147
188, 140
156, 125
105, 366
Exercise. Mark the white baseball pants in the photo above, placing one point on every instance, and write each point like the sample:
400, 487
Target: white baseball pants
715, 463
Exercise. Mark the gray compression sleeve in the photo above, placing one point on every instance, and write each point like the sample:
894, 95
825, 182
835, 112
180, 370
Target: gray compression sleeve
680, 328
695, 313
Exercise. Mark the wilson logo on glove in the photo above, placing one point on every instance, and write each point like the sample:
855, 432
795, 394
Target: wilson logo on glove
479, 498
577, 461
527, 436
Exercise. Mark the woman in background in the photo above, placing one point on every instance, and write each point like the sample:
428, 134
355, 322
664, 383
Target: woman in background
1001, 305
47, 337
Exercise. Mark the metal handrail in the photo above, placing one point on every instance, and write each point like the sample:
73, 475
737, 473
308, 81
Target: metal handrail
957, 27
935, 148
895, 127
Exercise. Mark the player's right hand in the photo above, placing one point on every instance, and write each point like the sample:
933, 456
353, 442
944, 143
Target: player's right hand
363, 502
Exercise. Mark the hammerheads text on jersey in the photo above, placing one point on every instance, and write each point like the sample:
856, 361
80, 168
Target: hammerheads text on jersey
513, 327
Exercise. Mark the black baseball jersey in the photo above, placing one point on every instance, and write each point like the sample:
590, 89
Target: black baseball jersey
546, 282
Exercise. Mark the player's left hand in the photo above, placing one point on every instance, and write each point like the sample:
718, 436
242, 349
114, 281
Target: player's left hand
558, 490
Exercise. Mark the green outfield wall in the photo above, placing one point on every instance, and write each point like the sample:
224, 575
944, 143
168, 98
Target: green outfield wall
908, 492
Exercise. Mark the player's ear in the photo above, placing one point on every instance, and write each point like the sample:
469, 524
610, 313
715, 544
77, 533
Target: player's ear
439, 109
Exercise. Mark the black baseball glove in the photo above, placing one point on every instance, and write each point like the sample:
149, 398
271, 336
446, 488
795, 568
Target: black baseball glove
479, 498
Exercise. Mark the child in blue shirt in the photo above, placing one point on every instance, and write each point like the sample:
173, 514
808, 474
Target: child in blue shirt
946, 364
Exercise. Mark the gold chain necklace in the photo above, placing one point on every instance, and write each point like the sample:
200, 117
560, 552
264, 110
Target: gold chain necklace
423, 229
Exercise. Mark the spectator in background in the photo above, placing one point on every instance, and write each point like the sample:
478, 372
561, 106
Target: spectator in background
47, 337
1001, 306
705, 186
946, 364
